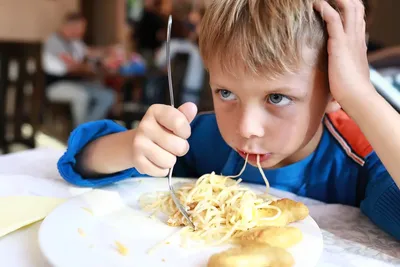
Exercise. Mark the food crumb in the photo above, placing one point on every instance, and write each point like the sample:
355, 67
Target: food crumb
167, 242
88, 210
91, 246
163, 260
81, 232
121, 248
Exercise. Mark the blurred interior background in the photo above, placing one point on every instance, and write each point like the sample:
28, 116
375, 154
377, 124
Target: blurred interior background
65, 62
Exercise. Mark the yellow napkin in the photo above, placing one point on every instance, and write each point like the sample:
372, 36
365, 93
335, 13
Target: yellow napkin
19, 211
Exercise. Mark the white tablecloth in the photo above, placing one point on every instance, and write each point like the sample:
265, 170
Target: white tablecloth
350, 239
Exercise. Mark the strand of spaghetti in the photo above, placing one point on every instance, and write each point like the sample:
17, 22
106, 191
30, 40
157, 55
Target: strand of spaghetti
242, 170
276, 216
279, 212
227, 235
166, 240
262, 173
202, 221
264, 204
195, 188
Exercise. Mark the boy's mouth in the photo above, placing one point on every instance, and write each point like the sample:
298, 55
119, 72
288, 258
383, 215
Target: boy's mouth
253, 157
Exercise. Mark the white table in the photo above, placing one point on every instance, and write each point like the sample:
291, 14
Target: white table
350, 239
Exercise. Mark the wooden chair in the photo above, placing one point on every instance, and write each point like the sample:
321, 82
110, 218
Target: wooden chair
21, 92
57, 120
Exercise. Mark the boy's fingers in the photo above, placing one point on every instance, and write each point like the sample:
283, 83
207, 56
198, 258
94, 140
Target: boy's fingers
159, 157
166, 140
359, 30
349, 11
190, 111
146, 167
173, 120
361, 24
332, 18
363, 33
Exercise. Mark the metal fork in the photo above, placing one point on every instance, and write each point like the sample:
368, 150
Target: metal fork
171, 94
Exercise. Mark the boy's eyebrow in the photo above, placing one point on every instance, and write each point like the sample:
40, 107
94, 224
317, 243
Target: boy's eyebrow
287, 90
217, 86
295, 93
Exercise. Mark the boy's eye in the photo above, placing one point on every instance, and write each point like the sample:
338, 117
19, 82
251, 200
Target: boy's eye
226, 95
278, 100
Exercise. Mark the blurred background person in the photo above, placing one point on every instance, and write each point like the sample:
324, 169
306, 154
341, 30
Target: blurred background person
70, 72
184, 36
148, 30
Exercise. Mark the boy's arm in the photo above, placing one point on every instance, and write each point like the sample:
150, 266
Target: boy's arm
108, 154
350, 83
104, 157
382, 201
113, 152
100, 153
380, 124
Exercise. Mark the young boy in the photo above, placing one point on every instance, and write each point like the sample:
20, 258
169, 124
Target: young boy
283, 83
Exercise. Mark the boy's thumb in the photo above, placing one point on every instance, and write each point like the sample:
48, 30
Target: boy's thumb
189, 110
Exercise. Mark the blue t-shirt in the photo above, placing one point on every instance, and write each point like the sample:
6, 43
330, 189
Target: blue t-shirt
343, 169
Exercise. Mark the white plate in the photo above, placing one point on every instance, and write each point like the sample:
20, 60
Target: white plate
118, 217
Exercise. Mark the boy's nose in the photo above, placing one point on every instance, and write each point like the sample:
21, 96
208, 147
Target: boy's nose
251, 124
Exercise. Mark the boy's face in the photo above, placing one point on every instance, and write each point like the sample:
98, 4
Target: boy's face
280, 119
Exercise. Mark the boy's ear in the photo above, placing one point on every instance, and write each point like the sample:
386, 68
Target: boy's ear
332, 106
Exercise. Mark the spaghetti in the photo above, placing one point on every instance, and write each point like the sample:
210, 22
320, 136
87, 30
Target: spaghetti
219, 207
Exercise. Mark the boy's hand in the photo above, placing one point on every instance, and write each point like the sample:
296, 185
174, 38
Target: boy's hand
347, 50
162, 136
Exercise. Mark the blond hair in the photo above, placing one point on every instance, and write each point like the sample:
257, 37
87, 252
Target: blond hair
263, 36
